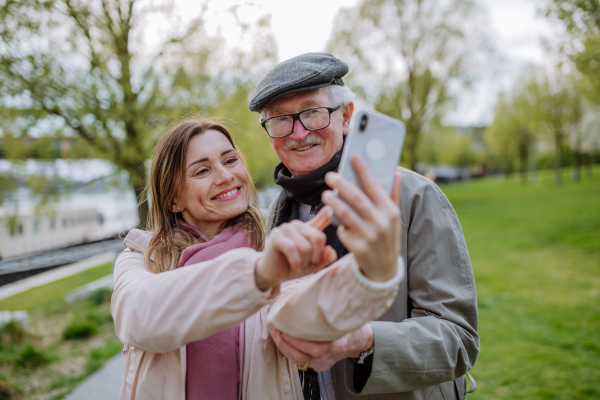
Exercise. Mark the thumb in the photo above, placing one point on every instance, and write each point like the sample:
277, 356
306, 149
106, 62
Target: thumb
328, 255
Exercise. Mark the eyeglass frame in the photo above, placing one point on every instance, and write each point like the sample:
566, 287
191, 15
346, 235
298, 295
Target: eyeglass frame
297, 117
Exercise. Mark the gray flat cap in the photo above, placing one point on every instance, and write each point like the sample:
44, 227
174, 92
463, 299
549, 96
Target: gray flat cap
303, 72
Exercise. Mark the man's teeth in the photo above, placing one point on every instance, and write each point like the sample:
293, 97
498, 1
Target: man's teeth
231, 193
304, 148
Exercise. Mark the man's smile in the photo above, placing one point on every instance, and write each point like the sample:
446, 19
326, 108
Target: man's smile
305, 148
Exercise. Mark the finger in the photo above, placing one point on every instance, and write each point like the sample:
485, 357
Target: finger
312, 349
367, 181
350, 193
307, 240
342, 210
321, 220
396, 188
294, 355
288, 249
349, 239
316, 238
328, 256
320, 366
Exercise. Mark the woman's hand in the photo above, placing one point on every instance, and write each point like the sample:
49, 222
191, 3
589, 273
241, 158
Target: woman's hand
371, 225
293, 250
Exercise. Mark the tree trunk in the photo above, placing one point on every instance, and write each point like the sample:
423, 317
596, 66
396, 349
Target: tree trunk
138, 182
576, 165
533, 163
589, 165
523, 150
558, 161
412, 143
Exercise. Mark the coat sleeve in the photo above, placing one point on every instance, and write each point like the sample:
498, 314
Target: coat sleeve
439, 340
333, 302
162, 312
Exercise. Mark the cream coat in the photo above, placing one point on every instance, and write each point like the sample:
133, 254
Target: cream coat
157, 314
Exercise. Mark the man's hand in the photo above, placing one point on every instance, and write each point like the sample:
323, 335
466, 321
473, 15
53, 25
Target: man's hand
370, 220
322, 355
294, 250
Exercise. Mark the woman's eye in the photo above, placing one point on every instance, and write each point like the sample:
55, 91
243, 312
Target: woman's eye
201, 171
231, 161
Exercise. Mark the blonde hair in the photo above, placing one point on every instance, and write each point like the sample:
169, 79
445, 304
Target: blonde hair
165, 184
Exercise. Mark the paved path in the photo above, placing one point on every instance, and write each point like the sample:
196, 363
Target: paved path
66, 255
104, 384
49, 276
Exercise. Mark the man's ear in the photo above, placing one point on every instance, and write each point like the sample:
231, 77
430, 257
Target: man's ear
347, 115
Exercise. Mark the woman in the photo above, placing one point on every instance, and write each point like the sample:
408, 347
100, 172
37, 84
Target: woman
182, 326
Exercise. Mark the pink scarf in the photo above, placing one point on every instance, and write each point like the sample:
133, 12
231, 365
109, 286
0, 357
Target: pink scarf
214, 364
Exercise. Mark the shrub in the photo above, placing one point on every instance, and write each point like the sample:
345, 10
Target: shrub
30, 357
7, 392
97, 357
12, 333
100, 296
79, 330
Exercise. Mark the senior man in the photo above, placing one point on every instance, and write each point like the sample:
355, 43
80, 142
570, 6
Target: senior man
423, 346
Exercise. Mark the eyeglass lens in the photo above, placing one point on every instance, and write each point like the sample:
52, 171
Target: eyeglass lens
314, 119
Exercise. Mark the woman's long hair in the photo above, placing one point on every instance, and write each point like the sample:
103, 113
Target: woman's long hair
165, 184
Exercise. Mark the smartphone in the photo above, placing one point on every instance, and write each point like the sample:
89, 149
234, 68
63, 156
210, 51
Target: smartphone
378, 139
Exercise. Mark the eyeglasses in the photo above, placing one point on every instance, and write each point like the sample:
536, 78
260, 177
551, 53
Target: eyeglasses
312, 119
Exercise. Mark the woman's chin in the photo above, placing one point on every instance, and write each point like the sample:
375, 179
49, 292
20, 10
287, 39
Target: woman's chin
230, 211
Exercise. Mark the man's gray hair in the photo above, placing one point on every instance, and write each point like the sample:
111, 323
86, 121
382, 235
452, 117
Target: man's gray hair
337, 93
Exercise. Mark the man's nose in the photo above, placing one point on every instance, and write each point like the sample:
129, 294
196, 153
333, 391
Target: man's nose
300, 132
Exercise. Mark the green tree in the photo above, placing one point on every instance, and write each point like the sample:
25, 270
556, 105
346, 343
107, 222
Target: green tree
450, 145
559, 110
87, 69
405, 55
510, 136
539, 108
581, 19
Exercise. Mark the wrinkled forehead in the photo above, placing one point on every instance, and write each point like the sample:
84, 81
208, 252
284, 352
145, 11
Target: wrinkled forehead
292, 103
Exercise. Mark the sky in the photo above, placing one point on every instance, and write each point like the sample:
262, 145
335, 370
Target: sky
516, 29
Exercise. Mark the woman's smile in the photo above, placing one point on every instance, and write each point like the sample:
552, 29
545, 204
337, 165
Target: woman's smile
216, 183
228, 194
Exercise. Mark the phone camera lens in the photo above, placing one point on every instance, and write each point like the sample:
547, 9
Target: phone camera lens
363, 123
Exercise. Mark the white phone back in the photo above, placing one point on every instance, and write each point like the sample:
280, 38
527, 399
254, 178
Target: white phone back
380, 145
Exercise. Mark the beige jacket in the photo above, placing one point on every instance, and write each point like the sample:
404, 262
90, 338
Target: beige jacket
157, 314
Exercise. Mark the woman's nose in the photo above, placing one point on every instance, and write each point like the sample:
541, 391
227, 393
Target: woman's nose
224, 176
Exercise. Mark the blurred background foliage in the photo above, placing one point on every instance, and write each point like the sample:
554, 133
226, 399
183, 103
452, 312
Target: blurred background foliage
90, 79
78, 79
104, 79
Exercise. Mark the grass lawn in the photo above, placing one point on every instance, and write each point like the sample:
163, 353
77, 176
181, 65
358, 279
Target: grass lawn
52, 291
535, 250
64, 342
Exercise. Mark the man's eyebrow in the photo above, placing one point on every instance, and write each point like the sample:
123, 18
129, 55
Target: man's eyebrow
305, 104
309, 102
204, 159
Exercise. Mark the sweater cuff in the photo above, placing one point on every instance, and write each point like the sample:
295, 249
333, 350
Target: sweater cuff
375, 286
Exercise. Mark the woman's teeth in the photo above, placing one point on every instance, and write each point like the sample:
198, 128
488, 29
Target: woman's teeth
231, 193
